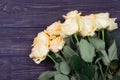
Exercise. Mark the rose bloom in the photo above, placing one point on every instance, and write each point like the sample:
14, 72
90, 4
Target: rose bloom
87, 25
54, 29
39, 52
72, 14
69, 27
40, 47
57, 44
112, 24
41, 37
102, 20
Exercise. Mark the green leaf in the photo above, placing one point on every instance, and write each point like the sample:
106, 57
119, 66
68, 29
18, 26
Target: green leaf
87, 50
57, 67
76, 63
84, 77
112, 52
116, 78
68, 52
105, 57
61, 77
64, 68
114, 64
97, 43
47, 75
118, 72
109, 76
89, 71
73, 78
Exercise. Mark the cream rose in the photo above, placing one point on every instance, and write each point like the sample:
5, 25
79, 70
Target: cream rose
40, 47
57, 44
72, 14
69, 27
112, 24
102, 20
54, 29
87, 25
42, 37
39, 52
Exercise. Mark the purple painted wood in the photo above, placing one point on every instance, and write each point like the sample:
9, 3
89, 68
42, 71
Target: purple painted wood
21, 20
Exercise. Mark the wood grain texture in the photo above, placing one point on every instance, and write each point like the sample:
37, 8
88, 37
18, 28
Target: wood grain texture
21, 20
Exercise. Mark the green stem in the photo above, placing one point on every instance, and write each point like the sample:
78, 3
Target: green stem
101, 70
58, 55
103, 37
106, 71
52, 59
77, 75
63, 55
75, 35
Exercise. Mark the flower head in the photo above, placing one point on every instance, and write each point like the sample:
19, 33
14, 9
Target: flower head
87, 25
72, 14
42, 37
112, 24
57, 44
40, 47
39, 52
69, 27
54, 29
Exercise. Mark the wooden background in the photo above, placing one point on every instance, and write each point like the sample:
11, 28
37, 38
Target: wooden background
21, 20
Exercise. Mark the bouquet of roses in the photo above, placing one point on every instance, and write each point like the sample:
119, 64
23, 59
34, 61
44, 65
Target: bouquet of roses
81, 48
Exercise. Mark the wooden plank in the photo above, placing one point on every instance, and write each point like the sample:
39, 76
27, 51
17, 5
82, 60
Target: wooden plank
21, 20
23, 13
21, 68
17, 41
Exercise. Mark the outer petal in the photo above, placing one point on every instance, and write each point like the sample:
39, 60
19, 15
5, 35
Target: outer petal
39, 52
102, 20
42, 37
54, 29
87, 25
69, 27
112, 25
71, 14
57, 44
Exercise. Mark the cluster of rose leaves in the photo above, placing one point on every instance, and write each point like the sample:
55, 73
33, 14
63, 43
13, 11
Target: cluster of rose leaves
77, 46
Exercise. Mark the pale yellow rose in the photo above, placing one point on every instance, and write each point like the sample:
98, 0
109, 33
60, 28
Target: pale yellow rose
72, 14
87, 25
54, 29
39, 52
112, 24
57, 44
102, 20
69, 27
42, 37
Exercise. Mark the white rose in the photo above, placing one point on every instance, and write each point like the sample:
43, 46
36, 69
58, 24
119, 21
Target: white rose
54, 29
57, 44
69, 27
87, 26
42, 37
39, 52
102, 20
112, 24
72, 14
